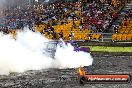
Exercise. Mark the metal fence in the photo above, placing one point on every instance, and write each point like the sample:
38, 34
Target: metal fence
104, 37
107, 37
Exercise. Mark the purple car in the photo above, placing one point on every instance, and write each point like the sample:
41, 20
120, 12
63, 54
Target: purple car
78, 48
51, 47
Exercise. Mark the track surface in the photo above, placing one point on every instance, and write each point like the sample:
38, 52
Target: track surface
66, 78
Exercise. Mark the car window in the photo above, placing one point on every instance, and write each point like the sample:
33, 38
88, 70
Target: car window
51, 46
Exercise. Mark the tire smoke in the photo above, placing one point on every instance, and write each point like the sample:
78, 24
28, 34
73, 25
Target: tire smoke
25, 53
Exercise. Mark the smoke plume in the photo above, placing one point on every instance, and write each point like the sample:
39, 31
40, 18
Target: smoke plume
26, 53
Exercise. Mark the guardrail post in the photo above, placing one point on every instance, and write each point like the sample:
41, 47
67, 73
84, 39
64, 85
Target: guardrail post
102, 38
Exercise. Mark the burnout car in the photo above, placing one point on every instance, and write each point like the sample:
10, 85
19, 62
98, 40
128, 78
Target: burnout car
50, 47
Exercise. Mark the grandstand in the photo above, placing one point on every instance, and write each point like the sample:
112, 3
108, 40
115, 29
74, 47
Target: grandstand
80, 28
125, 28
75, 20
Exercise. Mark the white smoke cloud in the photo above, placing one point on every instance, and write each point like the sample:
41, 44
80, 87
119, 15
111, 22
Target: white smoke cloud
26, 54
16, 56
68, 58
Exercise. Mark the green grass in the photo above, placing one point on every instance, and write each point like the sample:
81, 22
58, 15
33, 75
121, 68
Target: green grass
110, 49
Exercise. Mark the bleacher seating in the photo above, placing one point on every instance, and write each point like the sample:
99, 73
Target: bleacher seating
13, 33
40, 27
85, 33
125, 33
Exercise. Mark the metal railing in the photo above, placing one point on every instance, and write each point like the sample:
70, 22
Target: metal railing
105, 37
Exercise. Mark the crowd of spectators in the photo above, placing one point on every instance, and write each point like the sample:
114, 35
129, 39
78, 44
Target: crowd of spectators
127, 17
53, 14
100, 15
97, 15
